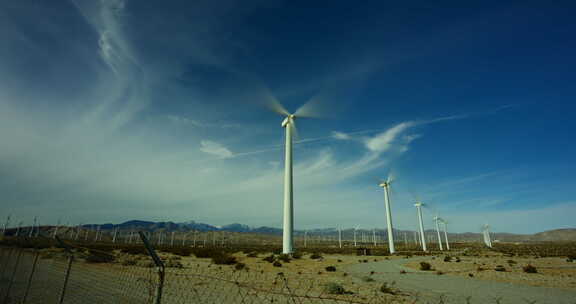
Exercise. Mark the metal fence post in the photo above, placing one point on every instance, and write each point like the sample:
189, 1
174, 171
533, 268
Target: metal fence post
29, 283
7, 297
159, 267
68, 268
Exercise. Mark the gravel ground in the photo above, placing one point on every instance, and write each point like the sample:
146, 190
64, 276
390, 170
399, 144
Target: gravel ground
432, 288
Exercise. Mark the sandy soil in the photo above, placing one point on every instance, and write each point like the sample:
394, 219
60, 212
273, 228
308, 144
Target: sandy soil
552, 272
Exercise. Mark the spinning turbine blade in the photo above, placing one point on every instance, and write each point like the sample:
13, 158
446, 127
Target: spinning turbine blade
311, 109
295, 133
277, 107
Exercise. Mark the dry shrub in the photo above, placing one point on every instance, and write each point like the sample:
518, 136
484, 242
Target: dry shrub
224, 259
330, 269
387, 289
334, 288
240, 266
500, 268
529, 269
425, 266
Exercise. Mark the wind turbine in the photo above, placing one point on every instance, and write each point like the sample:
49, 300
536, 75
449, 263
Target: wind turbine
443, 221
418, 206
437, 222
386, 186
355, 229
486, 231
32, 229
6, 225
290, 126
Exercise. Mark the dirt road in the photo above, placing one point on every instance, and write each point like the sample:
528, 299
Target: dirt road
431, 287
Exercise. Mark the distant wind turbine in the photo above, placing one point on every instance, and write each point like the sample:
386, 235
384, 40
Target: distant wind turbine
446, 233
6, 225
418, 206
437, 223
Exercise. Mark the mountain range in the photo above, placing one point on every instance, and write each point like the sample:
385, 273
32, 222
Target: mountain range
568, 234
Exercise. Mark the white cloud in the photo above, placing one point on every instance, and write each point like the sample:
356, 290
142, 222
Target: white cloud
340, 135
384, 141
215, 148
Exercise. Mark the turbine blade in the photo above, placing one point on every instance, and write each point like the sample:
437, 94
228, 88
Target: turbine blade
313, 108
275, 106
295, 134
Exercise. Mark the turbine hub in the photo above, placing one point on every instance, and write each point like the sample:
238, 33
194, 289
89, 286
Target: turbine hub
288, 120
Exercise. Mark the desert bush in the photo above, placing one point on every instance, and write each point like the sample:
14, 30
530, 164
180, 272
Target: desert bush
402, 271
367, 279
447, 258
128, 261
425, 266
269, 259
529, 269
457, 260
385, 288
297, 255
99, 257
205, 253
500, 268
511, 262
173, 264
180, 251
284, 258
277, 264
330, 269
224, 259
334, 288
439, 272
145, 263
252, 255
240, 266
315, 256
134, 250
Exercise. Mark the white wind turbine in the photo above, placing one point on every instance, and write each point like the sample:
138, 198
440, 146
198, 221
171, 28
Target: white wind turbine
386, 186
6, 225
418, 206
486, 232
437, 222
443, 221
290, 126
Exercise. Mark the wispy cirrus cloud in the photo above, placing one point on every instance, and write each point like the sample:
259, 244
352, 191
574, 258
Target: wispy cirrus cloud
214, 148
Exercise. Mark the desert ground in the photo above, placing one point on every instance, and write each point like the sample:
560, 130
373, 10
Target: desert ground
467, 274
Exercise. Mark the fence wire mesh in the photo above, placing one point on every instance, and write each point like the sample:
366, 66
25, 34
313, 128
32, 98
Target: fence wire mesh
82, 275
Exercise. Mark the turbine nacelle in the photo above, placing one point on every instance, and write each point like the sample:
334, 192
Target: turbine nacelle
418, 204
288, 120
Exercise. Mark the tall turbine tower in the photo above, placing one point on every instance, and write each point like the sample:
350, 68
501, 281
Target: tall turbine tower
422, 236
437, 222
289, 125
287, 242
386, 186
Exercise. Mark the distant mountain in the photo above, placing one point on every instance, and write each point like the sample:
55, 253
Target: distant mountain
568, 234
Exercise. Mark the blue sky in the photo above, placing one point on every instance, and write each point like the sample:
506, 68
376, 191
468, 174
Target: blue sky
113, 110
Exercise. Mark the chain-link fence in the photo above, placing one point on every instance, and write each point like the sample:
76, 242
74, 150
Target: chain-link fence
81, 275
